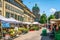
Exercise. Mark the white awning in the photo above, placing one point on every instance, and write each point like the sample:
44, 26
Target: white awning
13, 20
10, 20
3, 18
26, 23
35, 23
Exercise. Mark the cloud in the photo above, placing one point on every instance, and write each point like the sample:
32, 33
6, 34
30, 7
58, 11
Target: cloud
52, 10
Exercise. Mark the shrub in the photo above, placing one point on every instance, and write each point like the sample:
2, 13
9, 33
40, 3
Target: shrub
24, 30
34, 28
19, 32
12, 32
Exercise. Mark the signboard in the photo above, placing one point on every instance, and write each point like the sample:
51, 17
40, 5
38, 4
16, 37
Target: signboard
5, 24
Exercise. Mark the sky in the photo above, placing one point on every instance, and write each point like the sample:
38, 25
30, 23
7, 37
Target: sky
49, 6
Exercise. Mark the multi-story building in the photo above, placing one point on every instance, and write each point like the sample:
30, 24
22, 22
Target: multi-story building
16, 9
57, 14
36, 11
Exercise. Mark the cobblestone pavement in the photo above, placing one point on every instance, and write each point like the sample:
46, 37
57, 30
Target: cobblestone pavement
34, 35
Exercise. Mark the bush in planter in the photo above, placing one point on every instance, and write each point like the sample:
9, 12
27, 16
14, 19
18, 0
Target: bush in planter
24, 30
34, 28
12, 33
21, 29
19, 32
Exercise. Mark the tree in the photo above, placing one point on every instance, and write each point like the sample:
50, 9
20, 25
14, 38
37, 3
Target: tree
51, 17
43, 19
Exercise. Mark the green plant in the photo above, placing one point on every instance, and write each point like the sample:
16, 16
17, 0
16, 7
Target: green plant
34, 28
24, 30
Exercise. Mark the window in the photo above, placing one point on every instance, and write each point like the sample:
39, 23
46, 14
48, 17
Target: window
21, 18
12, 15
15, 16
7, 15
9, 7
18, 17
0, 4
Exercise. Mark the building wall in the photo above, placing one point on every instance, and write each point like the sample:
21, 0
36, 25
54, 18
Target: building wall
0, 7
10, 10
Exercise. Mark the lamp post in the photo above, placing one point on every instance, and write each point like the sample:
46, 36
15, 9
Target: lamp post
47, 21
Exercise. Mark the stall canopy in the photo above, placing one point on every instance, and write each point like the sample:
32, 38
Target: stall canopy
35, 23
3, 18
31, 23
26, 23
10, 20
55, 20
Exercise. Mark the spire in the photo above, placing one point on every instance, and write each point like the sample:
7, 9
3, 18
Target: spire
43, 11
35, 5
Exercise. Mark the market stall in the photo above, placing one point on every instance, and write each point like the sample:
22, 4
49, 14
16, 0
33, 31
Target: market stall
7, 26
55, 24
35, 26
26, 24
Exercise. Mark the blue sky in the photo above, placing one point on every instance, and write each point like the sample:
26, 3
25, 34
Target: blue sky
49, 6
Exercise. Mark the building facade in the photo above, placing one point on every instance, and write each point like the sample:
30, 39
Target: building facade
16, 9
57, 14
36, 11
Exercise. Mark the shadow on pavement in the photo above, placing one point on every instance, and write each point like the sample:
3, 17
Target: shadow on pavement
47, 37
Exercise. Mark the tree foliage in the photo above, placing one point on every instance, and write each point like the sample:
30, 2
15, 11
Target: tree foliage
43, 19
51, 17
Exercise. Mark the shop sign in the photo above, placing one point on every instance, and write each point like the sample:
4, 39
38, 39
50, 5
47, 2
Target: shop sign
5, 24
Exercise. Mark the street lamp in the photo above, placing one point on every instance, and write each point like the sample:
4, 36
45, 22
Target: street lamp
47, 21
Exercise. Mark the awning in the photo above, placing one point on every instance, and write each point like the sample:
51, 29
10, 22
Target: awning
12, 20
35, 23
3, 18
26, 23
55, 20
